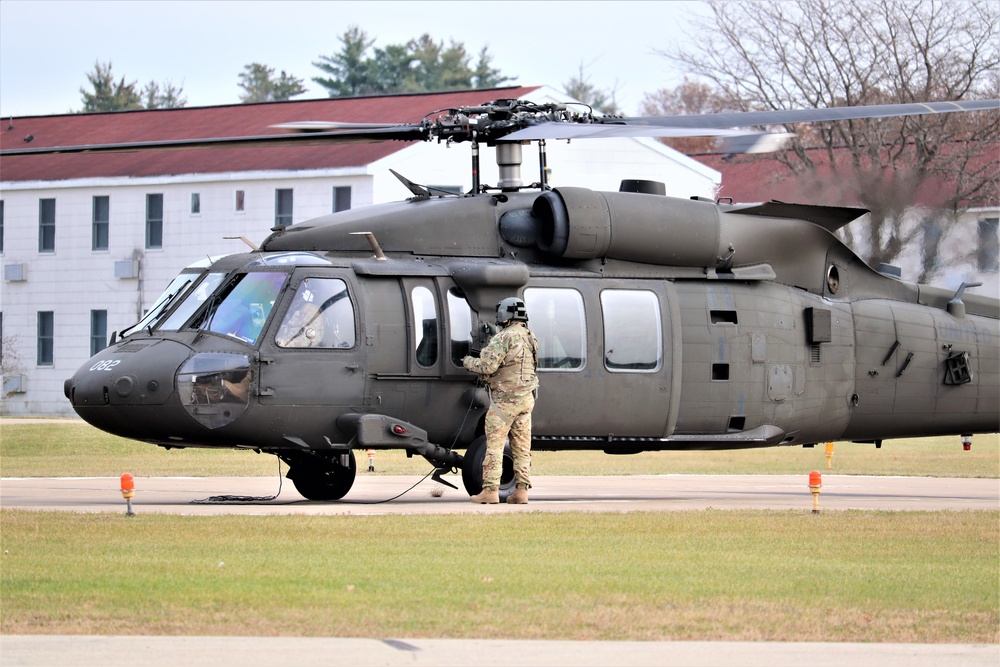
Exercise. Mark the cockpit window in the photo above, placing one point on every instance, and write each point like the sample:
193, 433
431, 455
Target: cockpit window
242, 306
321, 315
192, 302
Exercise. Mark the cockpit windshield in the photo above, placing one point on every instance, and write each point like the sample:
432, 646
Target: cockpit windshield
175, 290
235, 307
192, 301
242, 306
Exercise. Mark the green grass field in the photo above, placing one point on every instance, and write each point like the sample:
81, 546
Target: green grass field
76, 449
741, 575
708, 575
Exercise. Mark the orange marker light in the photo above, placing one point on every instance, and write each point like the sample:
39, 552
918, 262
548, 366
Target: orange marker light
128, 491
815, 484
829, 455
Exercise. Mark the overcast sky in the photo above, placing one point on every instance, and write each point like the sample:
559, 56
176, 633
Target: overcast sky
47, 47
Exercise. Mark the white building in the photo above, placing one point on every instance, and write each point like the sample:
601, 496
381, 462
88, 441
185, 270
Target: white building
88, 241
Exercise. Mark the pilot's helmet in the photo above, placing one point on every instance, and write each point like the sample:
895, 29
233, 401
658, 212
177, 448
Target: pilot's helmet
511, 308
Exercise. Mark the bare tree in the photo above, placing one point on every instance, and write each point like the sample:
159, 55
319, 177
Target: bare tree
10, 360
822, 53
687, 99
580, 88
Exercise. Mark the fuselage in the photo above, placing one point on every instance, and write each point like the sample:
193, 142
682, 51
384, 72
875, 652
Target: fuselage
663, 324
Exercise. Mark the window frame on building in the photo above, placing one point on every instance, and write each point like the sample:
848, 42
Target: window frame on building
47, 225
284, 205
154, 222
45, 336
98, 331
341, 198
100, 226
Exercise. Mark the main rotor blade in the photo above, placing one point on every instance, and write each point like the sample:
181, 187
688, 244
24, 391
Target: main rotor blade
355, 135
781, 117
711, 125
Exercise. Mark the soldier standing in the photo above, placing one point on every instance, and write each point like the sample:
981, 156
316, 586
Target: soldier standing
507, 365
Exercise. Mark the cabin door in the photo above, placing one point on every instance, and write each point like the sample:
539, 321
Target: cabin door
605, 358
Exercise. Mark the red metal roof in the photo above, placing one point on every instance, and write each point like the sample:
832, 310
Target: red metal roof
755, 178
220, 121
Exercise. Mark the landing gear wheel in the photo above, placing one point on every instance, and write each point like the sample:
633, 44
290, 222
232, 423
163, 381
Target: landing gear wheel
472, 468
331, 482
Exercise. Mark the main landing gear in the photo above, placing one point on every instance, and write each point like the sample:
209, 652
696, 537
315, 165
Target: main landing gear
472, 468
319, 477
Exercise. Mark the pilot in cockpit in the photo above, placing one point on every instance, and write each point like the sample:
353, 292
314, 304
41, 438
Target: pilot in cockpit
303, 324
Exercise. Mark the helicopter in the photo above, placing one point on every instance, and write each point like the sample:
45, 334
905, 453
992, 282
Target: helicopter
663, 323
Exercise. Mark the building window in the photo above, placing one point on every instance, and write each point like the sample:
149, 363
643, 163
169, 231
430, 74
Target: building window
154, 221
282, 207
1, 226
195, 203
46, 225
100, 225
240, 200
341, 198
988, 257
98, 331
46, 337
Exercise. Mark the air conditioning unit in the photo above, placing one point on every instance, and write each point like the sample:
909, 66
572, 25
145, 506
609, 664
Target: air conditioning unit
15, 273
126, 268
15, 384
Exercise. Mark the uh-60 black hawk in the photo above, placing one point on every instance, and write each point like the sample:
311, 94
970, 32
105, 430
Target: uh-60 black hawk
663, 323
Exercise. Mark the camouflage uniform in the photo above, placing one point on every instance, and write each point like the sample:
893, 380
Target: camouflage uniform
507, 364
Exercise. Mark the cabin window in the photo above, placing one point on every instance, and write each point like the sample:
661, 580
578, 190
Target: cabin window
460, 324
99, 230
46, 225
192, 302
633, 337
154, 221
98, 331
321, 315
556, 317
425, 336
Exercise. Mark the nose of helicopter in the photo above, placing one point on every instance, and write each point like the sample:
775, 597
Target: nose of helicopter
110, 390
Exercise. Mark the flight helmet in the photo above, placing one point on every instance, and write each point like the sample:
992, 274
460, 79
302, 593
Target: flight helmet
511, 308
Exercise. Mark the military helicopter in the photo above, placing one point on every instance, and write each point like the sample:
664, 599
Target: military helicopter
664, 323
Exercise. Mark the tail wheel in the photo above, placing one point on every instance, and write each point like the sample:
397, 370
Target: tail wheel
331, 481
472, 468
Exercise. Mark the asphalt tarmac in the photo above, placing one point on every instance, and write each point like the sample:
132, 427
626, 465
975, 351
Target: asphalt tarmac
384, 494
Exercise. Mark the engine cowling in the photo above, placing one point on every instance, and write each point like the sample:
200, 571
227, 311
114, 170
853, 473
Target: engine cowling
577, 223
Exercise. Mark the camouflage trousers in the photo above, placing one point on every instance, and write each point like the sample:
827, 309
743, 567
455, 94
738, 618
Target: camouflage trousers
508, 416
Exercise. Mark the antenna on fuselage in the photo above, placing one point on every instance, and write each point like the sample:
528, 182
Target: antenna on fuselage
376, 248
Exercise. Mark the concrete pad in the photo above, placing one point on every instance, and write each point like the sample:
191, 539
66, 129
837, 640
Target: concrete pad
377, 494
100, 651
